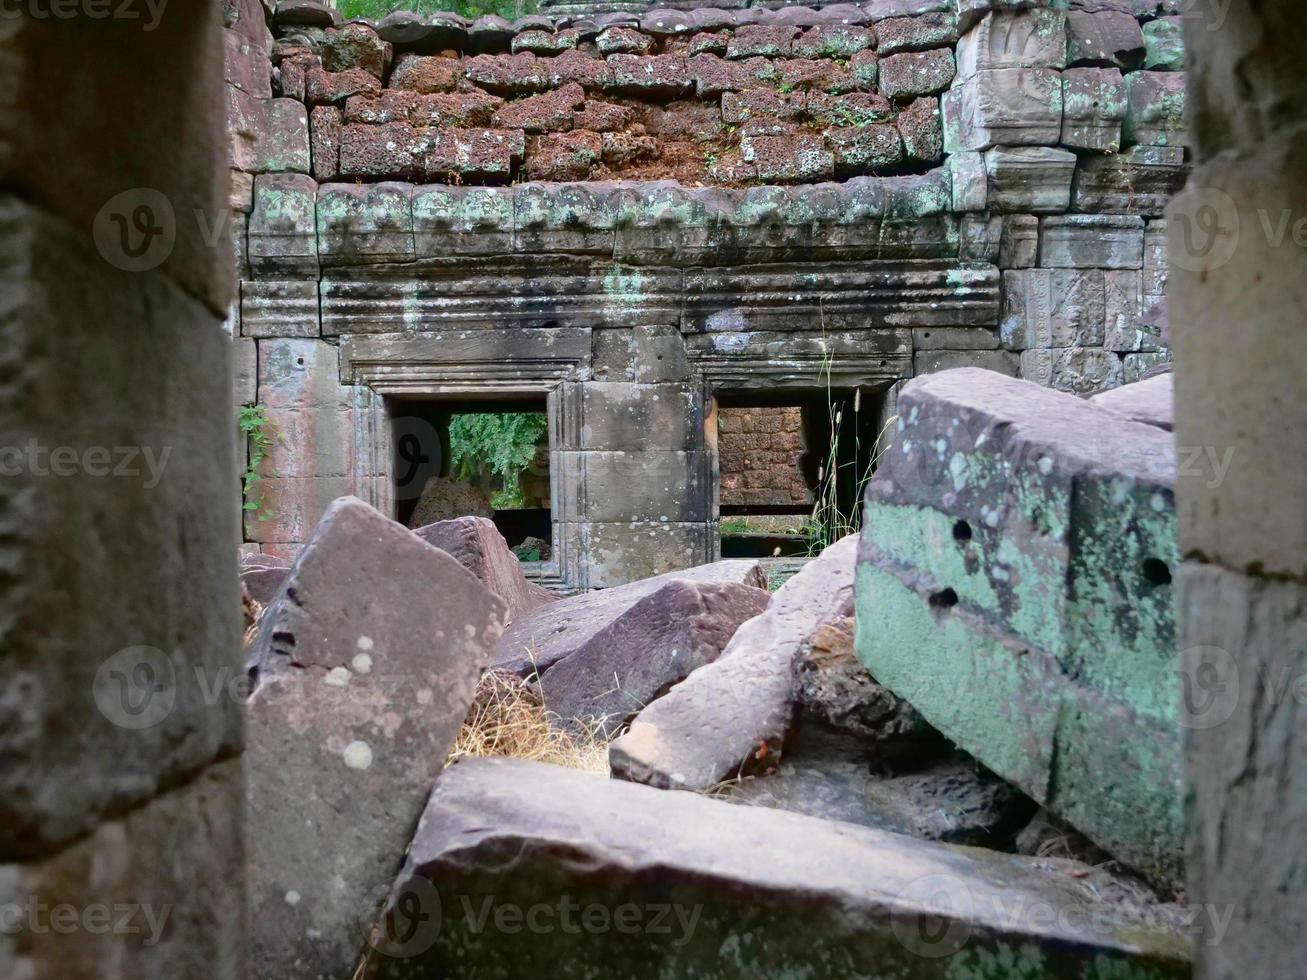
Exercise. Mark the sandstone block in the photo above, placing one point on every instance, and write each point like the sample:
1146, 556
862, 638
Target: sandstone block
1032, 38
476, 544
1107, 38
1092, 241
1079, 370
1052, 308
916, 73
1138, 180
1094, 106
1155, 109
360, 224
1151, 402
1029, 178
1164, 44
273, 308
1007, 106
283, 236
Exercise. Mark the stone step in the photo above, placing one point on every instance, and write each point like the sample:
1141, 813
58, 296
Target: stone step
518, 868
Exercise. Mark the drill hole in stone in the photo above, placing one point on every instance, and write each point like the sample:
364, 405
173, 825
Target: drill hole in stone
1156, 572
962, 532
944, 599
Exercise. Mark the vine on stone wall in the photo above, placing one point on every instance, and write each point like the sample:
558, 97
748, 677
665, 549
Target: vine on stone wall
496, 448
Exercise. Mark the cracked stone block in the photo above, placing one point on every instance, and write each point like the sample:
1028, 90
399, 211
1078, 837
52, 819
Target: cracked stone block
333, 88
283, 236
1156, 269
1019, 245
1155, 109
761, 41
425, 74
267, 135
1007, 107
549, 112
325, 132
701, 853
507, 75
1014, 39
834, 41
1139, 179
970, 182
1164, 44
1018, 551
361, 224
795, 159
933, 30
1124, 302
922, 131
1029, 178
972, 12
280, 309
333, 792
875, 148
1078, 370
1092, 241
1093, 108
356, 46
1106, 38
1052, 308
914, 73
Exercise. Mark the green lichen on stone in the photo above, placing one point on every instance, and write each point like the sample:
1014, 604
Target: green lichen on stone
1003, 962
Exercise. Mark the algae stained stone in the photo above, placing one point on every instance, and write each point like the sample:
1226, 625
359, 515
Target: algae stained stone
1014, 585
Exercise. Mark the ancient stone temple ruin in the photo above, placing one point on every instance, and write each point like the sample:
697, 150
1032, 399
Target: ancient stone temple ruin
639, 223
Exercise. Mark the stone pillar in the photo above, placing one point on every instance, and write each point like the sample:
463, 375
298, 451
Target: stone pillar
120, 775
1237, 293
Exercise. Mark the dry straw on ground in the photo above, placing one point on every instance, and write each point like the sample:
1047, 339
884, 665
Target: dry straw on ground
507, 718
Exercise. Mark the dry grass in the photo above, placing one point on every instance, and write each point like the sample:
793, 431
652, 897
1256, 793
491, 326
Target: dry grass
507, 718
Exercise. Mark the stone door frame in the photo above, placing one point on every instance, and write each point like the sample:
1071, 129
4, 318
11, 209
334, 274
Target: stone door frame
465, 364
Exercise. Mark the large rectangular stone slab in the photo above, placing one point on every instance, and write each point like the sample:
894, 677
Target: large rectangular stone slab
832, 900
1092, 241
634, 485
1052, 308
1015, 586
1029, 178
1005, 106
1033, 38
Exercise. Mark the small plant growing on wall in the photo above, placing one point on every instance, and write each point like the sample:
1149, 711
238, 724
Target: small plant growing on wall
254, 427
496, 448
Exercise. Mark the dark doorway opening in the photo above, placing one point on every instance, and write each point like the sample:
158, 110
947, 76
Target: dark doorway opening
483, 457
792, 465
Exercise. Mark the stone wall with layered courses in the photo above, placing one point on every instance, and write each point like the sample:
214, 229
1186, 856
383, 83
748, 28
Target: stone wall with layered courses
627, 212
1014, 584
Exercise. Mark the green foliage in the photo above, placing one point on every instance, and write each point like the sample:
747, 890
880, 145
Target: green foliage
495, 447
525, 553
376, 9
253, 423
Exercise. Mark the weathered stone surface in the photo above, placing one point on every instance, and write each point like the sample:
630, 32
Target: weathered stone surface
1052, 308
834, 41
496, 830
970, 182
1029, 178
361, 681
360, 224
933, 30
1107, 38
954, 338
1124, 315
1092, 241
325, 130
1155, 109
268, 135
916, 73
1018, 551
546, 113
1014, 39
923, 135
1093, 107
868, 149
760, 40
1019, 246
397, 151
280, 308
933, 361
356, 46
1138, 367
1005, 106
283, 225
735, 714
650, 76
1079, 370
563, 156
1151, 402
829, 776
624, 40
634, 651
1164, 44
478, 546
790, 159
333, 88
425, 74
546, 42
1139, 180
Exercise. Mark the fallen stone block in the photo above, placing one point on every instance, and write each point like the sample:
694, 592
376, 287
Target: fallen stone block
539, 642
1151, 402
362, 669
676, 884
478, 546
736, 713
1018, 551
830, 776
